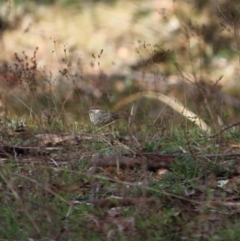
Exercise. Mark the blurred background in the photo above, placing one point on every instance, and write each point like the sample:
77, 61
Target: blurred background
61, 57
